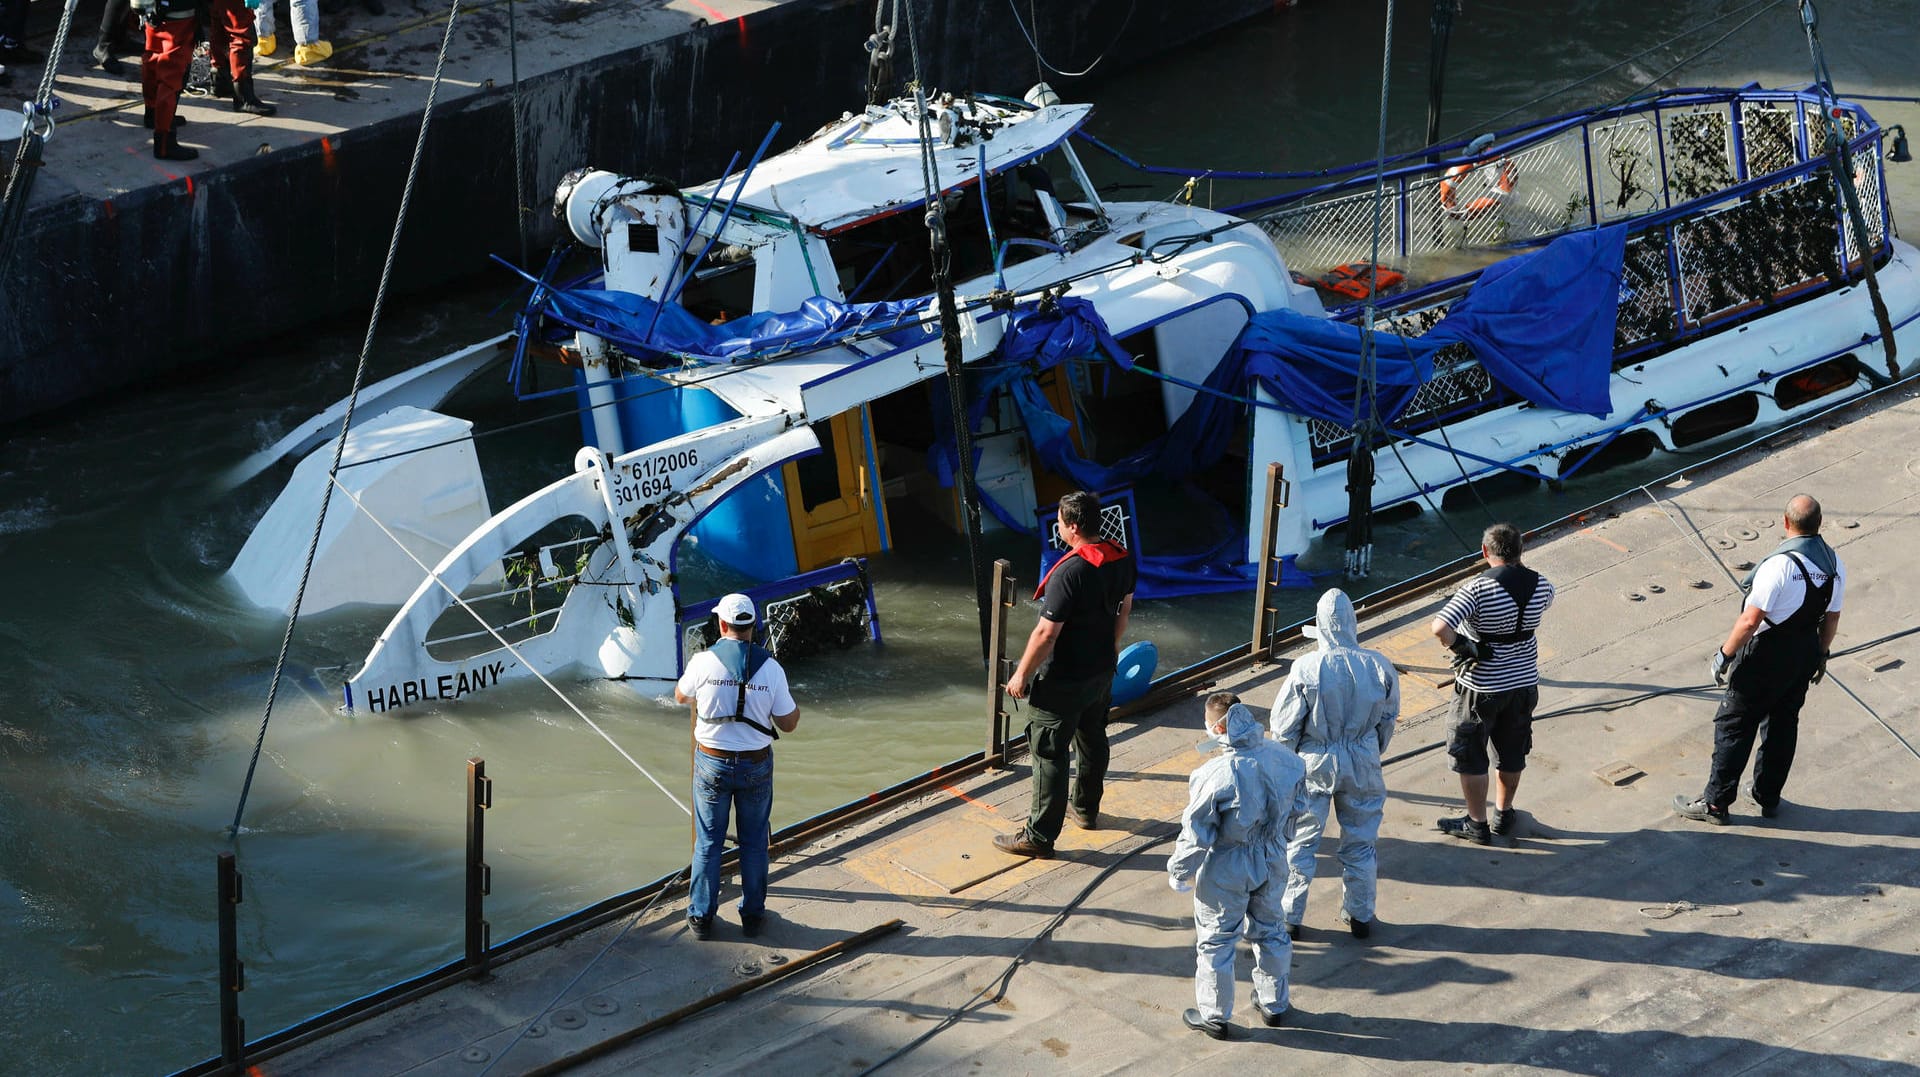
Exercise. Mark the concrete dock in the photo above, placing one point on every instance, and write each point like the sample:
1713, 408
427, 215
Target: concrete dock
1605, 936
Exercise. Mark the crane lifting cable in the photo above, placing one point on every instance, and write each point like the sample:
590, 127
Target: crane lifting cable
346, 420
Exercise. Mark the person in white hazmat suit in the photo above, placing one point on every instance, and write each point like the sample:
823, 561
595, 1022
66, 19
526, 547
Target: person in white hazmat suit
1337, 708
1231, 855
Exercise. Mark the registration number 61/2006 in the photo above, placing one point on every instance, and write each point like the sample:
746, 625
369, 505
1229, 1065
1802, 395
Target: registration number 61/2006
652, 476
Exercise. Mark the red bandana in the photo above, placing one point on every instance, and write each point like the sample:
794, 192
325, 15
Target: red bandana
1093, 553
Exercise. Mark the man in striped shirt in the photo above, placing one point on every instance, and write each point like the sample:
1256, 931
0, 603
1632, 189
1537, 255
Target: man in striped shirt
1489, 626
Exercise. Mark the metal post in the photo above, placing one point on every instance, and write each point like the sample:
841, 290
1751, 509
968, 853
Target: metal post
479, 875
1003, 599
233, 1031
1274, 500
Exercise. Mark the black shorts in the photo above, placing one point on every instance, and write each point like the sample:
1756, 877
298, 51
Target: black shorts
1504, 719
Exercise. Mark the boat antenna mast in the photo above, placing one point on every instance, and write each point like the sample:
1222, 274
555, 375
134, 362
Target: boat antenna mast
942, 266
1840, 156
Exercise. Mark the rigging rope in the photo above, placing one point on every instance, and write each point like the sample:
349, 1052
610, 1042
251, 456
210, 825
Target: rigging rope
346, 420
520, 207
942, 265
26, 159
1360, 458
1041, 61
510, 648
1688, 32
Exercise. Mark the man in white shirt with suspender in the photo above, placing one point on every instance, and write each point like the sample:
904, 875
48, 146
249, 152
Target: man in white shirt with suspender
1777, 647
741, 706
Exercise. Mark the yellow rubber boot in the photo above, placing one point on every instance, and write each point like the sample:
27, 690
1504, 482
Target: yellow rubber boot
308, 55
267, 45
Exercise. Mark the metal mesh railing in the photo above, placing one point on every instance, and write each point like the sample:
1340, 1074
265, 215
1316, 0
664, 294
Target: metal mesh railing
1626, 168
1699, 151
1646, 293
1768, 137
1866, 184
1318, 236
1756, 250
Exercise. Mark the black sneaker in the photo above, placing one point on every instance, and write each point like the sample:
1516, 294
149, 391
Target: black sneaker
1466, 828
1698, 810
1500, 822
1360, 929
1208, 1025
1768, 811
1293, 932
751, 923
701, 927
1271, 1019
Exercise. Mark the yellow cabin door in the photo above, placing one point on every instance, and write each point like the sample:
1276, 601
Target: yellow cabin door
833, 498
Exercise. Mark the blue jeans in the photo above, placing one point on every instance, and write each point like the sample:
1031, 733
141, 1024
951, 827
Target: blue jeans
719, 784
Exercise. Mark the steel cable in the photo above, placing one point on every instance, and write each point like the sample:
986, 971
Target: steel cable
346, 420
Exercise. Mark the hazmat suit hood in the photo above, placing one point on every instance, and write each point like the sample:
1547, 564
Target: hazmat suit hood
1243, 729
1334, 621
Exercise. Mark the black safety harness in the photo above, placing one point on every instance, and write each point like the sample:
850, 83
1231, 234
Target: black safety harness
1520, 583
743, 660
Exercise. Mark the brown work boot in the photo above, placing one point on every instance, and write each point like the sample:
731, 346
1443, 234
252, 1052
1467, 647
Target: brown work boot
1019, 845
1085, 820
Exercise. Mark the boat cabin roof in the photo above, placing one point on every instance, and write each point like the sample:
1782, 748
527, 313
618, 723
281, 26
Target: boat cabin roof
862, 167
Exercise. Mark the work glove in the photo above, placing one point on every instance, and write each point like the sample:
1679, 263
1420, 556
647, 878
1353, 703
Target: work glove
1820, 668
1719, 664
1468, 653
1178, 885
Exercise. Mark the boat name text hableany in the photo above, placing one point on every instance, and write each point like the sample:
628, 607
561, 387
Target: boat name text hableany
446, 686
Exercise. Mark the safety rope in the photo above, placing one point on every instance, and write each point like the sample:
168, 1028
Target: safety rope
346, 420
527, 1026
880, 49
1034, 44
1682, 35
510, 648
998, 985
39, 128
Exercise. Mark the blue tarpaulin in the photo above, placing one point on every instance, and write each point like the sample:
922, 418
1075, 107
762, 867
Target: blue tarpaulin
1540, 323
640, 325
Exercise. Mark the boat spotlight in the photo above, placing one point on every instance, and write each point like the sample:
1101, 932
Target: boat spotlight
1041, 96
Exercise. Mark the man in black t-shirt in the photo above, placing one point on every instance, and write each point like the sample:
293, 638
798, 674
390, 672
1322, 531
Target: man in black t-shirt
1085, 601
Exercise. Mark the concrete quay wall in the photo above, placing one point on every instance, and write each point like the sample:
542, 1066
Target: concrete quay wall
118, 283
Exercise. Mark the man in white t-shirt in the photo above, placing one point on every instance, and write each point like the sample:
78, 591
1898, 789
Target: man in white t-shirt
1778, 646
741, 706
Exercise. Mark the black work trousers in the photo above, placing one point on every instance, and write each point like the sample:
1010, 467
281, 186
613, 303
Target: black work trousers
1763, 700
1068, 719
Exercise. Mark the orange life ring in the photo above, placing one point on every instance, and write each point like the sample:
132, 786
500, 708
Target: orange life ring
1505, 176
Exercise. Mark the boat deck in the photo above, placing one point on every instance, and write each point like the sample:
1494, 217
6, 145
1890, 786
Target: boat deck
1604, 936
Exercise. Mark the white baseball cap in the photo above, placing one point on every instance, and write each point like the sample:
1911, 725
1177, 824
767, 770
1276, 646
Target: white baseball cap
735, 609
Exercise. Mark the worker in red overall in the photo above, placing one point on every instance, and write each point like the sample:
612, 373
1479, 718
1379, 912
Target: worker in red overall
232, 35
163, 71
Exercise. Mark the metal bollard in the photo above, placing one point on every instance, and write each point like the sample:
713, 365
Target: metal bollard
479, 875
233, 1031
997, 668
1276, 498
